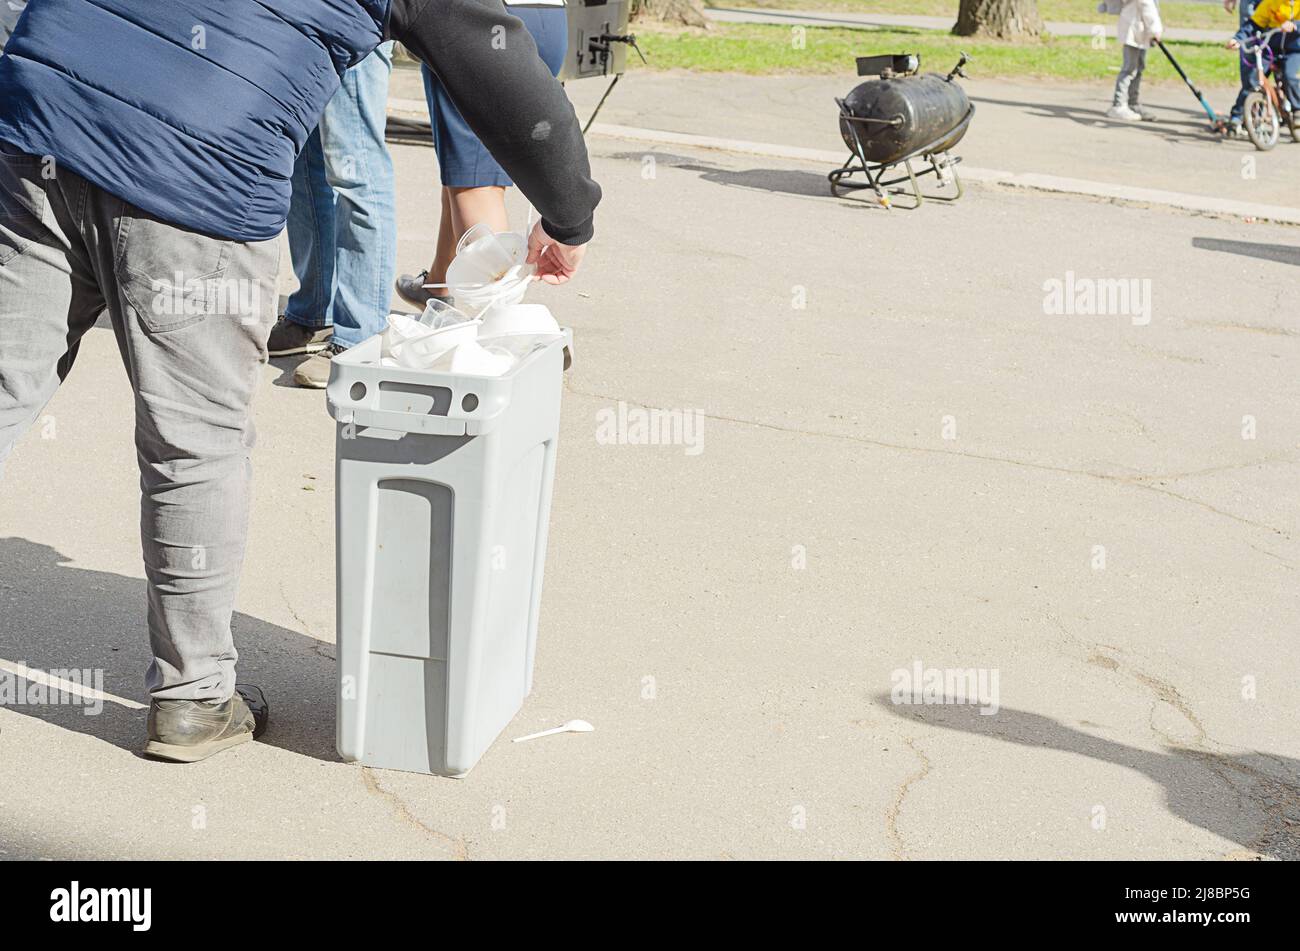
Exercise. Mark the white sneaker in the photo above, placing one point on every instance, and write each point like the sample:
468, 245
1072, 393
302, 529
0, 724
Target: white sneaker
1124, 113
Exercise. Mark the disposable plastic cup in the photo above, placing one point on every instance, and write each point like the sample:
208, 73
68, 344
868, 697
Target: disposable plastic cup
485, 257
503, 293
422, 351
439, 314
503, 320
470, 358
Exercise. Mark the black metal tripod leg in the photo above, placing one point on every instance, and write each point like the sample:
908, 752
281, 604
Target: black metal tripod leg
595, 112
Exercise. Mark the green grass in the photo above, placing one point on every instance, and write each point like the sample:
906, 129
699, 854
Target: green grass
759, 49
1199, 16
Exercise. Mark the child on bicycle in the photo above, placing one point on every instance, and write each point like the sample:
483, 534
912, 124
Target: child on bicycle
1284, 16
1244, 10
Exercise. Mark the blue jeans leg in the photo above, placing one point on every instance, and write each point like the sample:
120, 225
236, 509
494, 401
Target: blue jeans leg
464, 161
1247, 72
1291, 77
311, 238
347, 230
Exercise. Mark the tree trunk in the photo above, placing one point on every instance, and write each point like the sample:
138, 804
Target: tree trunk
999, 19
681, 12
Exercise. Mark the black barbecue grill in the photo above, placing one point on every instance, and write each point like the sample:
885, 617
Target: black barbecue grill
899, 116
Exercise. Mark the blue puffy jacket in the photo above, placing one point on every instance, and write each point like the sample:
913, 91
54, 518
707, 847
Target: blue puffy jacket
195, 109
178, 108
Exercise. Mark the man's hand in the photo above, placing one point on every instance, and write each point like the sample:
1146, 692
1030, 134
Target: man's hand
1229, 5
556, 262
1288, 26
1233, 44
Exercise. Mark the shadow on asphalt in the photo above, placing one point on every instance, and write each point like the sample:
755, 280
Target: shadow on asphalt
1180, 125
785, 181
1269, 783
285, 367
56, 616
777, 180
1281, 253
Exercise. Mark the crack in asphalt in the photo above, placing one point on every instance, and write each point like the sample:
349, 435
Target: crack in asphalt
1273, 800
459, 850
1264, 551
284, 595
1139, 482
897, 850
1169, 694
1278, 800
318, 645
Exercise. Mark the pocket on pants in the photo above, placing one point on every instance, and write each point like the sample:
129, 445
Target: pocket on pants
171, 277
22, 202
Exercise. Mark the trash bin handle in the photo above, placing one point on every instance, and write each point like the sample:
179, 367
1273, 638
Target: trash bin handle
405, 422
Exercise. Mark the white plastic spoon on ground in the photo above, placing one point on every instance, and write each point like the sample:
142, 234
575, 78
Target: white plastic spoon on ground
573, 726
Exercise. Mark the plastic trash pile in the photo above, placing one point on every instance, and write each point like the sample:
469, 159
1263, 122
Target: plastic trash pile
490, 329
489, 269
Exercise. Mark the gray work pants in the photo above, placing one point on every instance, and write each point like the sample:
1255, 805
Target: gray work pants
191, 314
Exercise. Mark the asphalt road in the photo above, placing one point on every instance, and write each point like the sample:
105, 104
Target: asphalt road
1038, 127
904, 459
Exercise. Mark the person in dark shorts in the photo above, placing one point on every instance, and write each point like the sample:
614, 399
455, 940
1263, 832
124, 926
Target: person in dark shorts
473, 183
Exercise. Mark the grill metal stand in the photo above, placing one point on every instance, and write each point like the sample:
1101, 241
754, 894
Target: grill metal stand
942, 165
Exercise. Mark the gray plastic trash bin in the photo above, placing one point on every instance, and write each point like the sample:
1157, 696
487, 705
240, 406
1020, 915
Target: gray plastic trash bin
443, 499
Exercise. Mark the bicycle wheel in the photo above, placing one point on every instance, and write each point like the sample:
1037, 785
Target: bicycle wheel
1260, 119
1293, 123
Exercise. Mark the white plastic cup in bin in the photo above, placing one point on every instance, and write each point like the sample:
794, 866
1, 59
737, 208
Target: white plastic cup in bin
486, 256
473, 359
415, 344
444, 486
489, 269
438, 314
502, 320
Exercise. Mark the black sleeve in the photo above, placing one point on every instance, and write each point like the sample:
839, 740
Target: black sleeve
489, 64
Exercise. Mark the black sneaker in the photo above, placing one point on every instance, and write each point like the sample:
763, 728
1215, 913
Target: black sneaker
186, 731
289, 338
